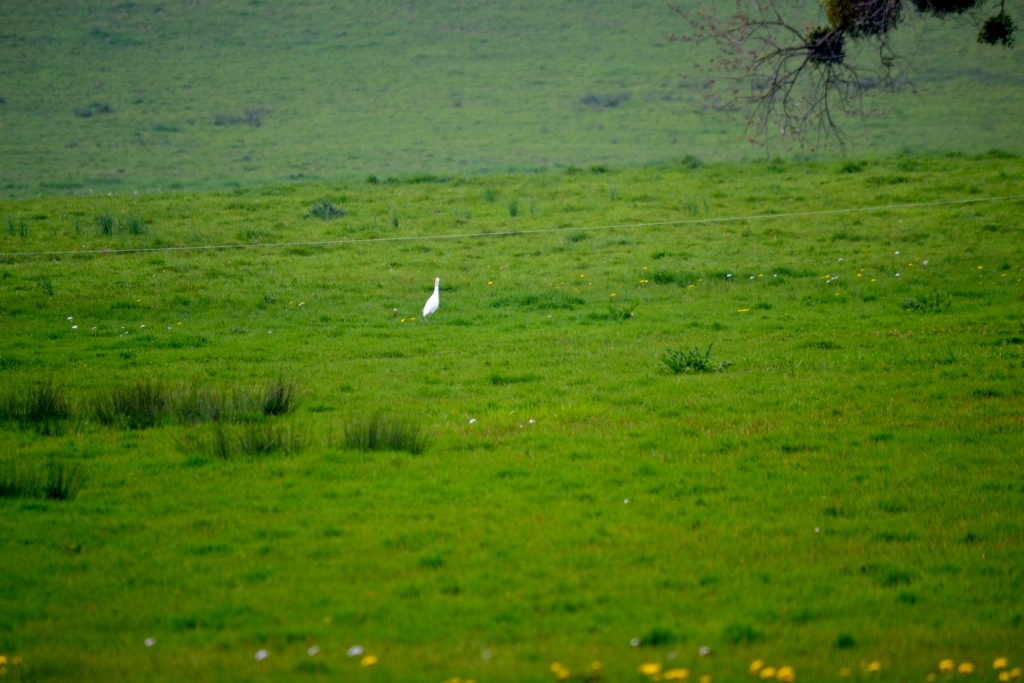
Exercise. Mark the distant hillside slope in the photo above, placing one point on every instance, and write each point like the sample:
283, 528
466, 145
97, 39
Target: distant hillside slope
127, 96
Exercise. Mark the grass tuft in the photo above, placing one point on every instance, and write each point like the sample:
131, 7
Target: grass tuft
63, 480
139, 404
226, 441
105, 223
42, 406
134, 224
929, 303
385, 433
694, 360
279, 398
325, 210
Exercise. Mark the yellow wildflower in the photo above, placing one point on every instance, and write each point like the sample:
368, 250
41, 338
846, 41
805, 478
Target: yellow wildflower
1015, 673
1000, 663
786, 674
872, 279
965, 668
743, 310
677, 674
596, 666
845, 673
874, 667
946, 666
490, 282
650, 669
930, 678
1004, 676
768, 672
706, 678
562, 674
755, 666
613, 294
369, 660
3, 659
556, 666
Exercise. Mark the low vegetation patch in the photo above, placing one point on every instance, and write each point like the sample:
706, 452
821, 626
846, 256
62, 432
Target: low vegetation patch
694, 360
57, 479
381, 432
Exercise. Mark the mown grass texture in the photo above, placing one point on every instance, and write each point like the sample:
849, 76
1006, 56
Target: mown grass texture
849, 491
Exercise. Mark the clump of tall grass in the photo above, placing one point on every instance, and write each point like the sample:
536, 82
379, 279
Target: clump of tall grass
139, 404
58, 480
694, 360
42, 406
325, 210
226, 441
381, 432
105, 223
278, 397
135, 225
145, 403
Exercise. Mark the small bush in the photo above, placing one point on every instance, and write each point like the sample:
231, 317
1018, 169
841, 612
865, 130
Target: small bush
384, 433
325, 210
513, 208
693, 360
490, 195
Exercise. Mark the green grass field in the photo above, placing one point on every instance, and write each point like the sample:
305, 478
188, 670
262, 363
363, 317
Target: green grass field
133, 96
848, 491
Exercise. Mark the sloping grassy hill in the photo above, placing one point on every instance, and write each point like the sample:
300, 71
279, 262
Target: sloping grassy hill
125, 96
847, 492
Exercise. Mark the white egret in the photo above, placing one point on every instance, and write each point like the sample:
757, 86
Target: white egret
435, 299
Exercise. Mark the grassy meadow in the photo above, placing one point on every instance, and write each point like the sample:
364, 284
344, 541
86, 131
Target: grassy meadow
118, 97
267, 448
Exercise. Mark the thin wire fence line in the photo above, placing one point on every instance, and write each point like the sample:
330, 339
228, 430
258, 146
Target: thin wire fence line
507, 233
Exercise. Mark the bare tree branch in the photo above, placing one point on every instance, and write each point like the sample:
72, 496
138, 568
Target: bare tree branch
784, 70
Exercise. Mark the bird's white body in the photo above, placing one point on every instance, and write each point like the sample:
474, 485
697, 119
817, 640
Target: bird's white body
435, 299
